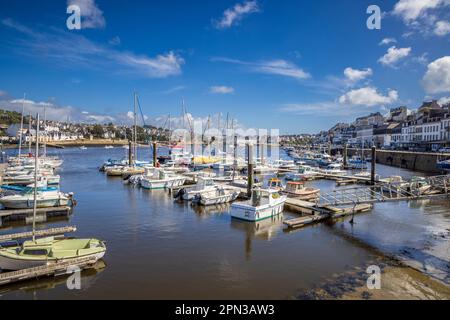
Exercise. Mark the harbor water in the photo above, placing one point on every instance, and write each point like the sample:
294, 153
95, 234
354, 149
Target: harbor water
162, 249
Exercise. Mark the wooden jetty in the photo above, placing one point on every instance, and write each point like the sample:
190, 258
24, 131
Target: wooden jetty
326, 212
38, 233
27, 214
53, 269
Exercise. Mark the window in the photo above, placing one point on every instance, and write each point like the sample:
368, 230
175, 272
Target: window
35, 252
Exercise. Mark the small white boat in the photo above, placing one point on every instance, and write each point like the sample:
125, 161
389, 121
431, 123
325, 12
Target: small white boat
303, 173
203, 185
161, 180
109, 147
334, 169
83, 148
218, 196
264, 203
47, 199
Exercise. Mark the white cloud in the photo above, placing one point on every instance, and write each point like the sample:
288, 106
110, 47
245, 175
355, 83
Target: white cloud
277, 67
236, 13
355, 75
368, 96
410, 10
282, 68
115, 41
437, 76
130, 115
91, 15
387, 41
394, 55
173, 90
442, 28
74, 50
221, 89
444, 101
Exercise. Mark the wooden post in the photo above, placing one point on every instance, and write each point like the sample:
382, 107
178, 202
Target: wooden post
130, 153
235, 162
250, 170
345, 155
372, 173
155, 153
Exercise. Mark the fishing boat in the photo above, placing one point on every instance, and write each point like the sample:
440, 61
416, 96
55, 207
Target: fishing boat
299, 191
161, 180
47, 251
263, 204
203, 185
218, 196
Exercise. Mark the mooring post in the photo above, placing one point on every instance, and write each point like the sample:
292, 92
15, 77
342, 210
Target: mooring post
374, 158
130, 153
235, 161
155, 153
250, 170
345, 155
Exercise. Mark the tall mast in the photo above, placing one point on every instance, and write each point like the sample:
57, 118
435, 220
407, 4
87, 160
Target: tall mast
45, 130
36, 164
135, 126
21, 125
29, 131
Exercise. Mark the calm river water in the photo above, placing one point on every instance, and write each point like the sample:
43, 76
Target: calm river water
159, 249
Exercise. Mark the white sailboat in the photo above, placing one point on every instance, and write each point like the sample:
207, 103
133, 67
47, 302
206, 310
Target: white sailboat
46, 251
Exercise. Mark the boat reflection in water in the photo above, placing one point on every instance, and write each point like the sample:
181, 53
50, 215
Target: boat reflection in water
265, 229
88, 279
206, 211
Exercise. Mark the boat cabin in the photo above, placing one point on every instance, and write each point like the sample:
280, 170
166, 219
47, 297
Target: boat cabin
275, 183
294, 187
264, 196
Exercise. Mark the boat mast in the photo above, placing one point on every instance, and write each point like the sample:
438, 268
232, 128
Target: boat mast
36, 164
29, 137
21, 125
45, 130
135, 128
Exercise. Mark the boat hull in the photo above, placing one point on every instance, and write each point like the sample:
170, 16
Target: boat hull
254, 214
13, 264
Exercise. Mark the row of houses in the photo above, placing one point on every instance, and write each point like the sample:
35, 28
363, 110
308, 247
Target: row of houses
427, 128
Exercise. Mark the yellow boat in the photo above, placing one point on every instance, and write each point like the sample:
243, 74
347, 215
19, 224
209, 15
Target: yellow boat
206, 160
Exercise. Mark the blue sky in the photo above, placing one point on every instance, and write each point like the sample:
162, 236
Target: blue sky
299, 66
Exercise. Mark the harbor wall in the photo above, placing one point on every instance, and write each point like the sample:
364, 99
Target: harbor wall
417, 161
